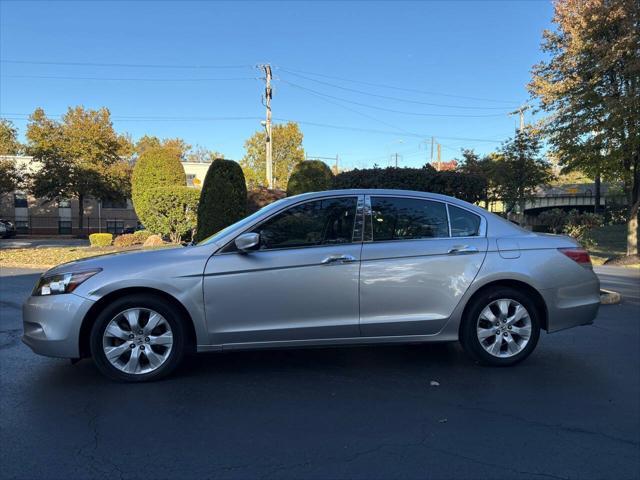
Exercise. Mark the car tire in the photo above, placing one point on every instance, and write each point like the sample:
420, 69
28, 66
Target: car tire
142, 353
489, 335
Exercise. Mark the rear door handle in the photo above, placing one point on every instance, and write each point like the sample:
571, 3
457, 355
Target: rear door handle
338, 259
462, 250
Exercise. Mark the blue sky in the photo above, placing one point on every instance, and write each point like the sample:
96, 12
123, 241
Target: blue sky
457, 68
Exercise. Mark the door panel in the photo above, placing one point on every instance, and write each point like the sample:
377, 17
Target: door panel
413, 273
411, 287
282, 295
301, 284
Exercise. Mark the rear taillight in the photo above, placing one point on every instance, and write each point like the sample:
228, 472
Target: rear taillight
578, 255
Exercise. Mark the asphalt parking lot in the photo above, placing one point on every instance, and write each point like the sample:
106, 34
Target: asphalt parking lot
572, 410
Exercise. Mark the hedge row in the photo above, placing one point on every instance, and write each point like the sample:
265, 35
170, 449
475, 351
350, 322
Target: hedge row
467, 187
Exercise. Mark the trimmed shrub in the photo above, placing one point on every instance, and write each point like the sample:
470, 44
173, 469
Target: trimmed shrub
465, 186
261, 197
157, 167
100, 239
172, 211
223, 200
555, 219
579, 224
153, 241
126, 240
142, 235
310, 176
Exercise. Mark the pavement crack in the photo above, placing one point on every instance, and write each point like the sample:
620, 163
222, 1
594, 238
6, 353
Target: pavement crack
558, 426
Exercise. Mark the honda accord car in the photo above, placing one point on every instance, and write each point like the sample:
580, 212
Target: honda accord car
342, 267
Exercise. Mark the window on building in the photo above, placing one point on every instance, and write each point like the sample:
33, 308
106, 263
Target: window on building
20, 200
115, 227
22, 226
463, 222
408, 218
190, 179
64, 227
321, 222
114, 203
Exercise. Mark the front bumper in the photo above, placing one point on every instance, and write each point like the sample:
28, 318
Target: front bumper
52, 324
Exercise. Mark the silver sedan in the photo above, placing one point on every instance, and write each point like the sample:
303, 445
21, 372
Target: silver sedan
331, 268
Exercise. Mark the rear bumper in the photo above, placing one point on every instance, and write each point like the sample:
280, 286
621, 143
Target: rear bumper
573, 305
52, 324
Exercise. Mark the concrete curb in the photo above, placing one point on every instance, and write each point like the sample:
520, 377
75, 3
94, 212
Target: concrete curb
609, 297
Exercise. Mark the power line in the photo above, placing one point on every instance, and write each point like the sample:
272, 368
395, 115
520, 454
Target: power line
397, 99
123, 65
413, 90
56, 77
366, 115
24, 116
391, 110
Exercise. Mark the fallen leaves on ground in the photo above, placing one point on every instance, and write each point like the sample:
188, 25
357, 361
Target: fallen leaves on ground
50, 256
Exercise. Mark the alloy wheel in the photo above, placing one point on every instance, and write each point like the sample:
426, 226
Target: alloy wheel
137, 341
504, 328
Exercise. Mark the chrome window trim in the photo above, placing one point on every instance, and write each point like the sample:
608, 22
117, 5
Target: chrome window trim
358, 198
482, 228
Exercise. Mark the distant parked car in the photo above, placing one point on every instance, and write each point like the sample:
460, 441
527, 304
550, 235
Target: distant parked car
137, 228
7, 229
331, 268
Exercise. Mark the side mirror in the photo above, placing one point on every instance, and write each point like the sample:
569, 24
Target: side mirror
247, 241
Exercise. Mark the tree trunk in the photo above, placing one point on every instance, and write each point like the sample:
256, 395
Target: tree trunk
596, 208
632, 229
81, 213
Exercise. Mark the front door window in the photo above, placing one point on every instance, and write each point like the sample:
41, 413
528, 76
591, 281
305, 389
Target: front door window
321, 222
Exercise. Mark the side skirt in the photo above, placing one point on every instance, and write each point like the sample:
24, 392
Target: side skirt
327, 342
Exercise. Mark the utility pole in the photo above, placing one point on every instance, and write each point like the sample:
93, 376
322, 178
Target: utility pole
396, 155
267, 124
432, 140
520, 111
439, 157
337, 170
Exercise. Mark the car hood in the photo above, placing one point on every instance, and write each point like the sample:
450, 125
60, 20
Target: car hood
134, 261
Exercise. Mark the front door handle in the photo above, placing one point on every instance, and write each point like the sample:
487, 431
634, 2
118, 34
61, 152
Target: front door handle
462, 249
338, 259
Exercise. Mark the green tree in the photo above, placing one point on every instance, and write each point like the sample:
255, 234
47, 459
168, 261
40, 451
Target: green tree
483, 167
310, 176
223, 200
79, 157
200, 154
158, 166
287, 153
518, 169
9, 144
176, 146
590, 86
10, 176
172, 211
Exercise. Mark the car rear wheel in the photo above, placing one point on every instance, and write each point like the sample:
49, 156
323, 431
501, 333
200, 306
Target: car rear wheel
138, 338
501, 327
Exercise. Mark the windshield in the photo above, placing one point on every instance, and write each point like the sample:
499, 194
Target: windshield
240, 224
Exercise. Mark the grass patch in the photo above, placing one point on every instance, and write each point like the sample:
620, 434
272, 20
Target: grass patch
611, 242
48, 257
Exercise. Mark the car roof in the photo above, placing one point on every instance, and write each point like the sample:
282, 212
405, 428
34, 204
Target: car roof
380, 191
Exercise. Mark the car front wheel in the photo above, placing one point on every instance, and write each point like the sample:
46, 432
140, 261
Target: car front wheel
501, 327
138, 338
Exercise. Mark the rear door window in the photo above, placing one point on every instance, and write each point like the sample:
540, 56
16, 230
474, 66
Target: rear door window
463, 222
396, 218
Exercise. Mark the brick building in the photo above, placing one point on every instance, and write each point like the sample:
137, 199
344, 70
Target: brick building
35, 216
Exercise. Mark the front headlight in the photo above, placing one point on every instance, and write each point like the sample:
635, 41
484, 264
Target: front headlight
62, 282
